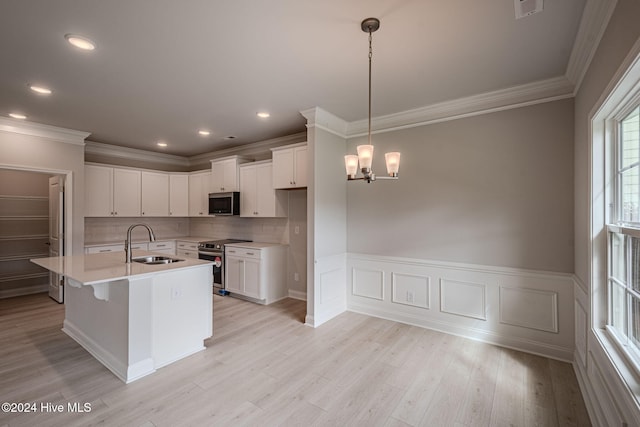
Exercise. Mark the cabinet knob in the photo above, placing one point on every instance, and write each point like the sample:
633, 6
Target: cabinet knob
142, 213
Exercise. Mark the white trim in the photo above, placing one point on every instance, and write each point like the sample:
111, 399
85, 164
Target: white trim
115, 151
243, 150
322, 119
299, 295
479, 322
520, 272
504, 99
595, 18
111, 362
67, 136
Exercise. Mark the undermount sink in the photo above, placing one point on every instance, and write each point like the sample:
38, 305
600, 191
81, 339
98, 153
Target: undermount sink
155, 259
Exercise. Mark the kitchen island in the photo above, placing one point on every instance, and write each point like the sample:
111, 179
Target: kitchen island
133, 317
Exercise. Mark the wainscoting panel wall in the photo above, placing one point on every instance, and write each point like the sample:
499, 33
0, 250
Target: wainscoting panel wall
522, 309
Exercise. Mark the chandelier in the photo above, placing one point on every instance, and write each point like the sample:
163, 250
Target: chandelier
365, 152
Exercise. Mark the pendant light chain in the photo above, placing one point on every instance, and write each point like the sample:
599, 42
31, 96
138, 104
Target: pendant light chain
365, 152
370, 56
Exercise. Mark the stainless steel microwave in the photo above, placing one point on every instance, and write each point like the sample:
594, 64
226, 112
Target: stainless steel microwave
224, 203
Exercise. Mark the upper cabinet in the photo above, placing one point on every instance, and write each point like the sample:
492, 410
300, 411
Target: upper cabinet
290, 166
98, 191
112, 191
224, 174
178, 195
155, 194
199, 189
257, 195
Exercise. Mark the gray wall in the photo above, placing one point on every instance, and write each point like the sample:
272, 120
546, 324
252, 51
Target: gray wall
495, 189
622, 32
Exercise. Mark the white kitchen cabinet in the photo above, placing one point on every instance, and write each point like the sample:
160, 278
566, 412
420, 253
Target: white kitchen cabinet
256, 271
98, 191
178, 195
199, 189
290, 166
257, 195
103, 249
112, 191
155, 194
126, 192
224, 174
187, 249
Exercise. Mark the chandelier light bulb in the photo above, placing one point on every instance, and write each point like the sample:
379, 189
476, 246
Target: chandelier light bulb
393, 163
351, 164
365, 156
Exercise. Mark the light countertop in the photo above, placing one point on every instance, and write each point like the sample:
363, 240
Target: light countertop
90, 269
193, 239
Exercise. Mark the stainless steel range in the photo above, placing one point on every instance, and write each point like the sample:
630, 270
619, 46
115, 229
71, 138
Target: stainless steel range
213, 250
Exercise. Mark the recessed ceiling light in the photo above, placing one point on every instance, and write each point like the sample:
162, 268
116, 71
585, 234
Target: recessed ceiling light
162, 144
17, 116
80, 42
204, 132
40, 89
263, 114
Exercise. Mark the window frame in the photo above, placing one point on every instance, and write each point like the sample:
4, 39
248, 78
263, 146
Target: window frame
615, 223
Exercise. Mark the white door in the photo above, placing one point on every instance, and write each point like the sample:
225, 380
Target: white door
56, 233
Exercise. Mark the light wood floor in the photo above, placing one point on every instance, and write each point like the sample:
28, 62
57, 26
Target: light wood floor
265, 368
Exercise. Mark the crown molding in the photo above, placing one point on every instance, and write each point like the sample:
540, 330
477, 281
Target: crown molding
504, 99
68, 136
118, 152
595, 18
249, 149
322, 119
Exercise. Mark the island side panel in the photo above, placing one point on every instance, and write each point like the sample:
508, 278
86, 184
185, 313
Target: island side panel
182, 313
101, 327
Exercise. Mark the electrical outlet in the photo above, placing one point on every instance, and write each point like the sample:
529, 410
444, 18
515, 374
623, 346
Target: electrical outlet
296, 277
296, 229
409, 296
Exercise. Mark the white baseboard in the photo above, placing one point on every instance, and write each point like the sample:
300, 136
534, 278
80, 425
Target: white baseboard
299, 295
119, 368
526, 310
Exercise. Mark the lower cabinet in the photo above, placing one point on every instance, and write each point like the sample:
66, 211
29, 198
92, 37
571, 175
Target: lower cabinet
256, 271
187, 249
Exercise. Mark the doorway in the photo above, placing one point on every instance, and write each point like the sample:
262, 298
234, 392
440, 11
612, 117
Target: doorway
25, 229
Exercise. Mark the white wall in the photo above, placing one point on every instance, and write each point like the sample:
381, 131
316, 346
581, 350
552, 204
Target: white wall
326, 217
43, 148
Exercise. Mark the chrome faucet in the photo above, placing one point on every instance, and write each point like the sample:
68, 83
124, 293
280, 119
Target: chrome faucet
127, 243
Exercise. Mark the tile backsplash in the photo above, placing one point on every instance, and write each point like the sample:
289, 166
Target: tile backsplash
268, 230
114, 230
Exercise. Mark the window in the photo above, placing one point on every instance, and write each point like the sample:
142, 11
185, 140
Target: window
623, 272
628, 168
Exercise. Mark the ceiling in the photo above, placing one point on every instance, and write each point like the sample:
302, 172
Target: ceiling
163, 69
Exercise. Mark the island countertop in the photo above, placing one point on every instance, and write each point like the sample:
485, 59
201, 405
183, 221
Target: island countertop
90, 269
